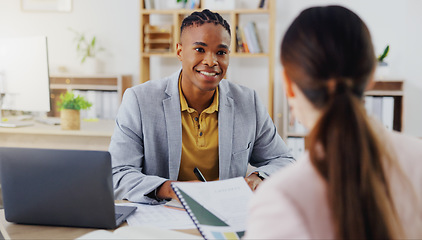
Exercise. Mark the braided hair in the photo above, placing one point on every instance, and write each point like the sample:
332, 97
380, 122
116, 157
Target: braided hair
206, 16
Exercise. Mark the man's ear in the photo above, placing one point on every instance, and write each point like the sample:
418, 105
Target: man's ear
179, 51
288, 85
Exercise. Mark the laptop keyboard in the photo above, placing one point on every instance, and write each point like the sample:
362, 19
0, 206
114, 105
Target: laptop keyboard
118, 215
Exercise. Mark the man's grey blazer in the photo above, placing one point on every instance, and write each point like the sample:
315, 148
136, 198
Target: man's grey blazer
146, 145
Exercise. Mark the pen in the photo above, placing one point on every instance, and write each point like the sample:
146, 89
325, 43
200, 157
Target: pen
199, 175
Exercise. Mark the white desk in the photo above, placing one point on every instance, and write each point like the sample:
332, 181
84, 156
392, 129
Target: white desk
22, 231
92, 136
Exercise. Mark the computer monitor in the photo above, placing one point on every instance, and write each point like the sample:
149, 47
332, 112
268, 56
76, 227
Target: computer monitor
24, 75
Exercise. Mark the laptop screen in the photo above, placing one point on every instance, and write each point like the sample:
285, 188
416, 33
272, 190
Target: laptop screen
57, 187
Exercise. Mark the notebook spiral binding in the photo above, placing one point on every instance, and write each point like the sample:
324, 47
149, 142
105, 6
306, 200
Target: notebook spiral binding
187, 208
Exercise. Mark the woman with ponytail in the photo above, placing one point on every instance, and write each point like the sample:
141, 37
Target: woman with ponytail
357, 180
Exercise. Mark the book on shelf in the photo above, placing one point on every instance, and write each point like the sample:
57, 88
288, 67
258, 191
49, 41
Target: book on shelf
252, 39
255, 37
244, 42
388, 112
171, 4
193, 4
220, 4
263, 4
239, 42
381, 108
218, 208
149, 4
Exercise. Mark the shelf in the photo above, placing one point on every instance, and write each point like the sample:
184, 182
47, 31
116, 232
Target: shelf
384, 93
189, 11
387, 86
84, 87
60, 83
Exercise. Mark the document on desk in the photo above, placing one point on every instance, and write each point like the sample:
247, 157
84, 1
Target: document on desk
219, 208
159, 216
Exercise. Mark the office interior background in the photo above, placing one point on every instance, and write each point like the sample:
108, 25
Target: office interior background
116, 25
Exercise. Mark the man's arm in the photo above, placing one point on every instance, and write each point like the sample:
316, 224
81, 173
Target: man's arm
269, 153
128, 159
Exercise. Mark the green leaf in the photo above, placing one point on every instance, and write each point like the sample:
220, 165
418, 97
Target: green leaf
69, 101
93, 42
384, 54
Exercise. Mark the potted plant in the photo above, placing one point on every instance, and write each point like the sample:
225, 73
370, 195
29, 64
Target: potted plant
87, 49
382, 69
70, 106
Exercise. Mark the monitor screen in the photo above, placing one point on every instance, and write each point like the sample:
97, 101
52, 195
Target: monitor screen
24, 77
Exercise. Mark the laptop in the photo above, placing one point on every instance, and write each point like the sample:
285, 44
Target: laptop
59, 187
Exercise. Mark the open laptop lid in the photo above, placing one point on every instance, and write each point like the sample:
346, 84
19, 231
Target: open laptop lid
57, 187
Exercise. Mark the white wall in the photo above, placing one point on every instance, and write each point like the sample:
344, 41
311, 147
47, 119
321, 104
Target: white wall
116, 25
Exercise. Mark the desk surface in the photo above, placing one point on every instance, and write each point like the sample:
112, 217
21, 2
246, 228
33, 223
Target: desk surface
91, 136
100, 128
21, 231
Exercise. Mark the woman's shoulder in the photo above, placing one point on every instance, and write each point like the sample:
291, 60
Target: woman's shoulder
297, 180
404, 141
408, 149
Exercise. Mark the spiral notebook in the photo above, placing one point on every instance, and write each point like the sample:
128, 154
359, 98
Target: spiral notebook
219, 208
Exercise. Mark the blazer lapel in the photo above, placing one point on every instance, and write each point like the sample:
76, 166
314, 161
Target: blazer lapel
225, 131
173, 126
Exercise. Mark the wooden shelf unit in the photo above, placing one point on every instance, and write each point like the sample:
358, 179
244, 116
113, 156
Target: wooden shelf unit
67, 82
177, 17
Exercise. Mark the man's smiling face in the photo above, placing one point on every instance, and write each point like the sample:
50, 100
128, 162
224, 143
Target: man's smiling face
204, 52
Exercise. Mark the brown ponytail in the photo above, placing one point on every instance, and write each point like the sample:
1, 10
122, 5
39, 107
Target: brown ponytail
328, 53
359, 195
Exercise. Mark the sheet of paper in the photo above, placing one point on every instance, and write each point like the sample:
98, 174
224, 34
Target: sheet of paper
175, 204
227, 199
159, 216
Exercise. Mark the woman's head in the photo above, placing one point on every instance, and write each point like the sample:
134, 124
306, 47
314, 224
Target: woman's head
325, 47
328, 60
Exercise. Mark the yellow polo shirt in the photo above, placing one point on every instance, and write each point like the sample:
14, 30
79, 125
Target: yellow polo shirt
199, 140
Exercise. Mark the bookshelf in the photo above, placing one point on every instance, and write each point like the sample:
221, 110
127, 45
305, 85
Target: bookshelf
389, 95
96, 83
177, 16
390, 89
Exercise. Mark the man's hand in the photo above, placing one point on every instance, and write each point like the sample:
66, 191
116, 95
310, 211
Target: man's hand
253, 181
165, 191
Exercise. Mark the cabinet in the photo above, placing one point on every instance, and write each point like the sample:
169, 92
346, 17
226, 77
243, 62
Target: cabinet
177, 16
383, 100
98, 83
